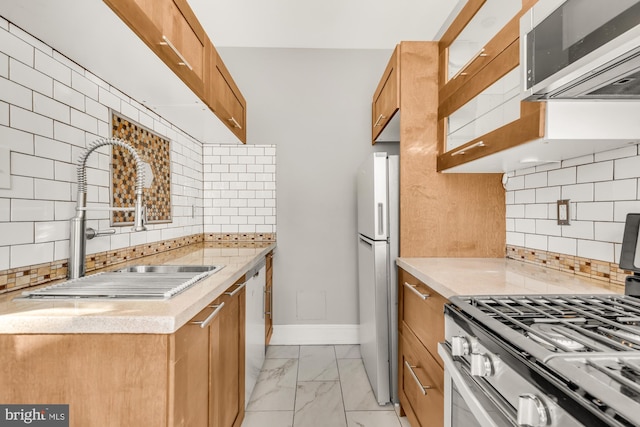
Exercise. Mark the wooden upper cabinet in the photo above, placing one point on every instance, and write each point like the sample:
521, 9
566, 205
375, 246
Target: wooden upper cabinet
479, 111
224, 97
172, 31
386, 99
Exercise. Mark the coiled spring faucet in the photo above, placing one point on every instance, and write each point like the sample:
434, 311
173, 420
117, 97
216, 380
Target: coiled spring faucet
79, 232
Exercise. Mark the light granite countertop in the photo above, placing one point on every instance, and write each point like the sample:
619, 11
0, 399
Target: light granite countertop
497, 276
21, 316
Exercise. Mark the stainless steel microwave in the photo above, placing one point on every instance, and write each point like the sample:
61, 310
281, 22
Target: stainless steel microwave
581, 49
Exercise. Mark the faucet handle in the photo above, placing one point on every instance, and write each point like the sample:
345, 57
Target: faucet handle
91, 233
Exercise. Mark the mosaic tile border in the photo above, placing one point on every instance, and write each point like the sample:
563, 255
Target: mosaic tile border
608, 272
33, 275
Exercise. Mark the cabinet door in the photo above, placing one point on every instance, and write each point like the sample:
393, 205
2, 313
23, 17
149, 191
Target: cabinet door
189, 373
224, 97
420, 383
386, 99
227, 358
172, 31
268, 301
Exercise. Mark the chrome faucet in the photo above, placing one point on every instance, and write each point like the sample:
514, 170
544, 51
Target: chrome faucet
79, 232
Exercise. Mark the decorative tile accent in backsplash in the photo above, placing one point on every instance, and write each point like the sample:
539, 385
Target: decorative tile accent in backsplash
153, 150
602, 188
50, 110
602, 271
33, 275
239, 189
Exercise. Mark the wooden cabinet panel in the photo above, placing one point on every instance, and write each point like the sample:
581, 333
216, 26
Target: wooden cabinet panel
386, 99
227, 364
424, 317
268, 301
224, 97
421, 383
188, 373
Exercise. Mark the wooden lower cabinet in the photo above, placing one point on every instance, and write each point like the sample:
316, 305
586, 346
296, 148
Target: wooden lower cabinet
193, 377
420, 369
268, 300
420, 384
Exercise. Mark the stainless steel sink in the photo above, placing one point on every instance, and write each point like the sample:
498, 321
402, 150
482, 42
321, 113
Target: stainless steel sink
135, 282
166, 269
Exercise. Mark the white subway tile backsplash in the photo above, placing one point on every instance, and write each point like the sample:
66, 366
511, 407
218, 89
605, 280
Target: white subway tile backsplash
627, 168
51, 190
108, 99
31, 78
609, 231
32, 210
21, 188
578, 192
628, 151
16, 48
622, 208
30, 122
61, 249
69, 134
624, 189
51, 149
5, 257
68, 96
51, 108
16, 233
4, 114
5, 210
16, 140
52, 68
548, 194
4, 66
578, 161
25, 165
16, 94
562, 176
51, 231
525, 196
602, 171
563, 245
97, 110
31, 40
64, 210
594, 211
84, 121
603, 251
22, 255
536, 211
535, 241
548, 227
535, 180
579, 230
83, 85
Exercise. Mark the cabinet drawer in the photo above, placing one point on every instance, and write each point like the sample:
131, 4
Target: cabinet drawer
421, 382
422, 311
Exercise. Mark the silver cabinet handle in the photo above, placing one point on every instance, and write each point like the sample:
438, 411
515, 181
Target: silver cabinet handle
423, 388
380, 117
167, 42
235, 123
236, 290
464, 150
415, 290
204, 323
461, 71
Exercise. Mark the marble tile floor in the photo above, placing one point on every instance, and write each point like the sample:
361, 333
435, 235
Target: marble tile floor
316, 386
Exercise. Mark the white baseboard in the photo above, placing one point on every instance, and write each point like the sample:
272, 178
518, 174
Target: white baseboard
314, 334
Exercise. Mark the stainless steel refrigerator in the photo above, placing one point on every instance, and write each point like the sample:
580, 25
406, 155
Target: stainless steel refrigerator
378, 230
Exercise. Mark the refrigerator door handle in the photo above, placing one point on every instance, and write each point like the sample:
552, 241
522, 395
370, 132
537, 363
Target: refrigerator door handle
363, 240
380, 218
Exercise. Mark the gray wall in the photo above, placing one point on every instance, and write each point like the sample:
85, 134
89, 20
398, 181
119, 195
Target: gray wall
315, 106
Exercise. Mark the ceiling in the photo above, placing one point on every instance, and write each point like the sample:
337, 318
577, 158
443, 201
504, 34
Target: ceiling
331, 24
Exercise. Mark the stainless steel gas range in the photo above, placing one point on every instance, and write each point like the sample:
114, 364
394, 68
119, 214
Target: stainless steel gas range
546, 360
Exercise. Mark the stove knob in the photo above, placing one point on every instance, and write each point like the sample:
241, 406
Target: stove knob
460, 346
531, 411
481, 365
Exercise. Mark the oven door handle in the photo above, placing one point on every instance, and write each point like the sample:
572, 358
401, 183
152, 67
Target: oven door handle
461, 379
